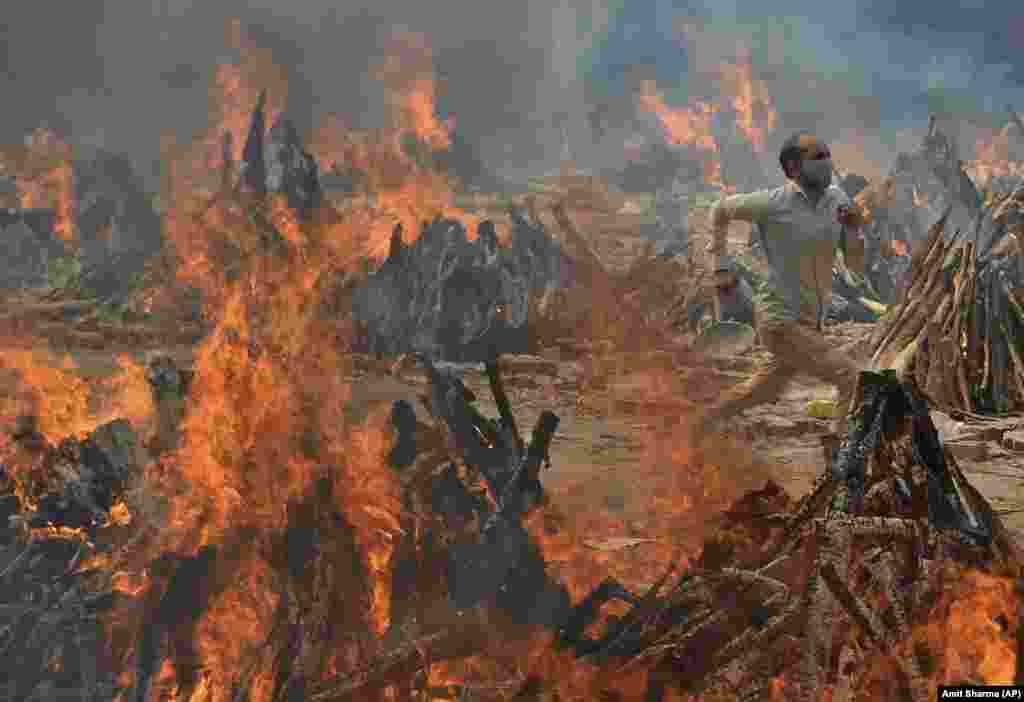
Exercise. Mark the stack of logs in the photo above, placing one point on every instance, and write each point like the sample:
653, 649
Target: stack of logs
740, 618
958, 326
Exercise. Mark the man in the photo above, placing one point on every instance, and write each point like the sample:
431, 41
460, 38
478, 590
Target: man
803, 224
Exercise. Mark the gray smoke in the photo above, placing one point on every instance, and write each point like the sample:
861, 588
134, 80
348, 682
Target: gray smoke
118, 73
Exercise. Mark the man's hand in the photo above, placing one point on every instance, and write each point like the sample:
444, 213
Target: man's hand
726, 280
848, 217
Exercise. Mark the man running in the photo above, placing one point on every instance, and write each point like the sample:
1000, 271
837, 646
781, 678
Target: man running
803, 224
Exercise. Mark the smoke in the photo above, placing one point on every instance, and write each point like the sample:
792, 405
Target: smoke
518, 75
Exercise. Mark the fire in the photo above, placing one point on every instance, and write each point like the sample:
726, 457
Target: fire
50, 394
683, 125
234, 89
44, 177
979, 640
47, 387
400, 183
637, 523
408, 73
969, 634
265, 427
755, 112
992, 157
689, 125
131, 395
237, 86
267, 450
743, 95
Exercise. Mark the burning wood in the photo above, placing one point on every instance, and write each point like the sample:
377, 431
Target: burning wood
892, 508
84, 205
902, 207
956, 329
461, 299
285, 554
64, 507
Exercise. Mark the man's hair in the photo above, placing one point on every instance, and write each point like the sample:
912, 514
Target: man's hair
792, 150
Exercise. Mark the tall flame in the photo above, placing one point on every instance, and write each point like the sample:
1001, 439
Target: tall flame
686, 125
755, 111
401, 183
740, 93
44, 177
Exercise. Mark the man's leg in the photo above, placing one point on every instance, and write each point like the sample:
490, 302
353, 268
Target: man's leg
815, 356
795, 348
766, 385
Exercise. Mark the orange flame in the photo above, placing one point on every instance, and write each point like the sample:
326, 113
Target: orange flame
992, 157
755, 112
748, 98
687, 125
969, 634
269, 425
233, 94
45, 179
54, 390
401, 184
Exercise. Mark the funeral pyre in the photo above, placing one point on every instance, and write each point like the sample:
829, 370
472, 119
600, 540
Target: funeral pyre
892, 576
958, 325
228, 530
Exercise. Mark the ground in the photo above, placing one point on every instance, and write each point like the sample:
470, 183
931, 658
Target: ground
599, 441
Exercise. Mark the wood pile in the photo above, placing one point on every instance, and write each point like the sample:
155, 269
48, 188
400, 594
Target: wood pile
62, 506
878, 534
959, 325
901, 208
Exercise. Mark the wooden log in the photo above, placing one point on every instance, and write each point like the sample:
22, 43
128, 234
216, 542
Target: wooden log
1015, 328
501, 400
1000, 353
921, 267
961, 282
908, 322
951, 328
937, 386
963, 326
986, 347
1018, 363
921, 311
923, 259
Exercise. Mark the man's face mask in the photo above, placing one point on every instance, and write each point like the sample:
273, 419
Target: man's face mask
816, 174
815, 164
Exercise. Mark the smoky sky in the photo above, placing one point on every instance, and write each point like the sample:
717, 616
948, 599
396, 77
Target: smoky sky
519, 75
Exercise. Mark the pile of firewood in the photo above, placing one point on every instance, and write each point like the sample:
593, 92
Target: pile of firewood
958, 326
62, 507
873, 534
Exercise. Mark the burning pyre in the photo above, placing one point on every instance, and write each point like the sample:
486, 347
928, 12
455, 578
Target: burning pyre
244, 537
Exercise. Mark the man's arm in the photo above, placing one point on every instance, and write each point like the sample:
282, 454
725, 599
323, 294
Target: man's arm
749, 207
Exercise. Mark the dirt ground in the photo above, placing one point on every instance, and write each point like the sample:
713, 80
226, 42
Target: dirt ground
599, 438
